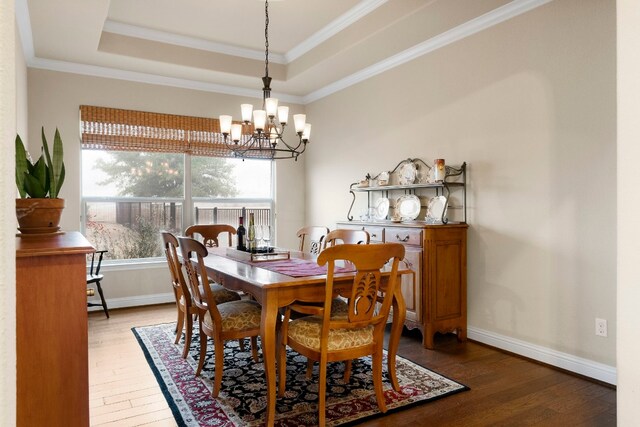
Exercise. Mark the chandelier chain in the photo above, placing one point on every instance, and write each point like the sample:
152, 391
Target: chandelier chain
266, 38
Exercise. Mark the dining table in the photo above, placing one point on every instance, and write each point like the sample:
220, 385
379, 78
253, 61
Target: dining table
278, 283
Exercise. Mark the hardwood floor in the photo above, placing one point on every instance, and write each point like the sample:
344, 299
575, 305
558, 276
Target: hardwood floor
505, 390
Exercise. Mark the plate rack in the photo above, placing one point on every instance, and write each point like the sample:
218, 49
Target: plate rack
455, 179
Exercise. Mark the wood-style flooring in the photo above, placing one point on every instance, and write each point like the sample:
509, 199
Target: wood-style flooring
506, 390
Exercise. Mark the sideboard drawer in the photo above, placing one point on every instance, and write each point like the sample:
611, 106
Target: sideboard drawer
376, 234
408, 236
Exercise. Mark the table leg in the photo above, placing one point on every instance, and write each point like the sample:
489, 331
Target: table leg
399, 314
269, 342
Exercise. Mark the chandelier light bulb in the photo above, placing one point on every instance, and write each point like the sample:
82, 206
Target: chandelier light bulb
299, 121
246, 112
271, 105
307, 132
225, 124
259, 119
283, 114
236, 132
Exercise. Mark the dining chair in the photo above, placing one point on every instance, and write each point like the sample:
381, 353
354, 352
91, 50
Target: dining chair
221, 322
339, 307
312, 237
324, 338
184, 301
346, 236
95, 278
209, 233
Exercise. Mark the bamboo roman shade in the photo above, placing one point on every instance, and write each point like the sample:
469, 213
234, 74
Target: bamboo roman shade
103, 128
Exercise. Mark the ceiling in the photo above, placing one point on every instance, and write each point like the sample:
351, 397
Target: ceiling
316, 47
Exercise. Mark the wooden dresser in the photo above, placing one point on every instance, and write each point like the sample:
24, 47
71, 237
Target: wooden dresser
51, 330
436, 297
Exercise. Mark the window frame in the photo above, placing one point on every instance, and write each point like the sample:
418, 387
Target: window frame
188, 206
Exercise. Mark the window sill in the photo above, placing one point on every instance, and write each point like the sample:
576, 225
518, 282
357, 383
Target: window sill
134, 264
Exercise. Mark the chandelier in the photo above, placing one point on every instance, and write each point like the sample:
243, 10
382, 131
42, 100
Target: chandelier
263, 137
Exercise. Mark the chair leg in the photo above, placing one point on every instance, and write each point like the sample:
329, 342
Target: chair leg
347, 371
203, 351
376, 360
187, 336
241, 342
322, 391
179, 326
309, 368
219, 358
254, 348
282, 366
104, 303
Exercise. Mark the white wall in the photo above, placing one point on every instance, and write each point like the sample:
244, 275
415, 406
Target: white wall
628, 394
9, 55
530, 105
54, 99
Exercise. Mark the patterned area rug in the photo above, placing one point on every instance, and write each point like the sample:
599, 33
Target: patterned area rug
242, 398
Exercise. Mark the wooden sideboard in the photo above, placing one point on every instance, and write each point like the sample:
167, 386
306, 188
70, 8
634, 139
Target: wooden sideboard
51, 330
436, 296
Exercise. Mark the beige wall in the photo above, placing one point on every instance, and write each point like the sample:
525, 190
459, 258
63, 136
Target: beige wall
530, 106
53, 101
628, 212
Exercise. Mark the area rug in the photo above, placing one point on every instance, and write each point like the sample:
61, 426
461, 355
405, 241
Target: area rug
242, 398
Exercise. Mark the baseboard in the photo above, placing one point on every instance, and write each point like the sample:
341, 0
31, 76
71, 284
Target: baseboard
589, 368
135, 301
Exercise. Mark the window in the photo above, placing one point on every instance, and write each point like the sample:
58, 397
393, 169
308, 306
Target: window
128, 196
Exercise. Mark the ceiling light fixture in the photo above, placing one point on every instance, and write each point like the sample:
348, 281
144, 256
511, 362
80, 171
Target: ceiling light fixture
263, 138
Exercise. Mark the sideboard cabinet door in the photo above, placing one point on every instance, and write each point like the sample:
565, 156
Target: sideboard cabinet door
445, 299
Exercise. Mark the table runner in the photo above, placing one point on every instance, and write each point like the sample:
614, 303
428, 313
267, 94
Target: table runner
296, 267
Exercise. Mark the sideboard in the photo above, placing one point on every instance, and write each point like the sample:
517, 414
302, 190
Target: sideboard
51, 330
436, 294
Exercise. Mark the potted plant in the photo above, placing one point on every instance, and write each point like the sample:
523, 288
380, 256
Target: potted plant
39, 209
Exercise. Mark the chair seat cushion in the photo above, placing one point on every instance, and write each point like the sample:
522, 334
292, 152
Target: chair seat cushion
220, 293
306, 331
237, 315
339, 309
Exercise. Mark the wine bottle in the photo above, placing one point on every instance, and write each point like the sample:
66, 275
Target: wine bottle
251, 235
241, 232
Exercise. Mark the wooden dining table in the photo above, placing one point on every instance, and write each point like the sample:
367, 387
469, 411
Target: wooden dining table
274, 290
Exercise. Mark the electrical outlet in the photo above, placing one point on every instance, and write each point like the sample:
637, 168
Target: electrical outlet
601, 327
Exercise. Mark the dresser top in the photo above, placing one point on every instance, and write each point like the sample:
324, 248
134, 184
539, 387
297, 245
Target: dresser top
65, 243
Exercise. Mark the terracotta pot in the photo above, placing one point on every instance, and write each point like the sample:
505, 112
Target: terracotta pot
39, 216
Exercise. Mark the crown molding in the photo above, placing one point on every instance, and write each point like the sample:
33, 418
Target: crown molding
134, 76
23, 20
350, 17
489, 19
496, 16
185, 41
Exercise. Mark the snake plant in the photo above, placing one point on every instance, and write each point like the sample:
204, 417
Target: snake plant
43, 178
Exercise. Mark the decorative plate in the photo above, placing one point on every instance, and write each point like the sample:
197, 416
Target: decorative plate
407, 173
436, 208
381, 209
408, 207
